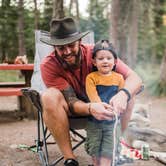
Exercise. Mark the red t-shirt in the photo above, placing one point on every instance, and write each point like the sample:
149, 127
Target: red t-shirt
55, 75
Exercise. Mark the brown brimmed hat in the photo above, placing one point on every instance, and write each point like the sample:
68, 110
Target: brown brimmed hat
62, 32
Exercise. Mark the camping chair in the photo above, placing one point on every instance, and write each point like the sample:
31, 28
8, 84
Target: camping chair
33, 95
42, 132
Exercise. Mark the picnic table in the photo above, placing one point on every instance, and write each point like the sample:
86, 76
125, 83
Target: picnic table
14, 88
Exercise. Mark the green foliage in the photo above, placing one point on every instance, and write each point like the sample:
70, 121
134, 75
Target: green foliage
150, 74
10, 76
151, 41
158, 88
160, 29
8, 30
46, 15
152, 38
146, 35
29, 33
98, 21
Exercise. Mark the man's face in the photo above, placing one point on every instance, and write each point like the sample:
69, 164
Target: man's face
68, 52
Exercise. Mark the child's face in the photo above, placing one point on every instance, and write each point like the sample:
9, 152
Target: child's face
104, 61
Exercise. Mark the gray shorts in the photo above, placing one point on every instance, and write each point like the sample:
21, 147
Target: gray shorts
99, 141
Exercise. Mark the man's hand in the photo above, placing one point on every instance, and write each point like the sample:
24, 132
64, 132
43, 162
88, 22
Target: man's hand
101, 111
119, 102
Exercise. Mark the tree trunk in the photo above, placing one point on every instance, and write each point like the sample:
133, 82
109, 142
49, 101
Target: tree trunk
122, 43
77, 10
114, 17
124, 30
21, 38
58, 11
70, 7
74, 3
4, 56
161, 87
4, 44
119, 28
133, 33
36, 14
163, 69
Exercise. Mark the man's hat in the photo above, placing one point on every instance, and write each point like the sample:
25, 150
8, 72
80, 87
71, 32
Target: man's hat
62, 32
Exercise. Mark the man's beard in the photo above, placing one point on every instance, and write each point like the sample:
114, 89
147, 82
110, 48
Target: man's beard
77, 60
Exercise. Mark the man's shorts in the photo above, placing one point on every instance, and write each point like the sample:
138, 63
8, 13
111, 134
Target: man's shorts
99, 142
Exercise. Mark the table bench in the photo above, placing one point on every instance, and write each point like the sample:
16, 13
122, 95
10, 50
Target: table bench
12, 84
14, 88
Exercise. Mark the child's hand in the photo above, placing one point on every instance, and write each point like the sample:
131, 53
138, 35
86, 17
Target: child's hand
101, 111
119, 102
113, 110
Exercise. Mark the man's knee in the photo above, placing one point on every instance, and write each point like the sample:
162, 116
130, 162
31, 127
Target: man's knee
51, 97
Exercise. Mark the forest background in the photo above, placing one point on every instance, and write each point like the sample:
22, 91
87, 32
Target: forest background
137, 29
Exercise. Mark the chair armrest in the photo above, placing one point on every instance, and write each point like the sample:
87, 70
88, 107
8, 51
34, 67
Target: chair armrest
33, 96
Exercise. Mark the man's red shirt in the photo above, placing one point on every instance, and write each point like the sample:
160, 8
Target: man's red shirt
54, 74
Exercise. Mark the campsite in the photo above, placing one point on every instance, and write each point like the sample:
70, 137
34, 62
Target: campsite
28, 34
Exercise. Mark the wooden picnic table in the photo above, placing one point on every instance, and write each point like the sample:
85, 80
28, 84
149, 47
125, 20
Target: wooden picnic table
14, 88
27, 70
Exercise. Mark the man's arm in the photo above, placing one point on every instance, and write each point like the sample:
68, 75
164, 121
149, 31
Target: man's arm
132, 84
78, 107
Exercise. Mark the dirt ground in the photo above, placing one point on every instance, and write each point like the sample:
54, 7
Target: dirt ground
15, 132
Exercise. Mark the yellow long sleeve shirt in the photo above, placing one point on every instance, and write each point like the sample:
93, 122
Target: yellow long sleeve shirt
103, 88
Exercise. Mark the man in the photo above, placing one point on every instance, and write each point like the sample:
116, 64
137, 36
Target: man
64, 72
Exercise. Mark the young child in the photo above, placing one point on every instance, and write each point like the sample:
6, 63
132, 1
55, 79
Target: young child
101, 86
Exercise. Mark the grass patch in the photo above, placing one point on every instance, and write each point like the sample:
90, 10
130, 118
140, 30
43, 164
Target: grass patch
10, 76
158, 88
150, 74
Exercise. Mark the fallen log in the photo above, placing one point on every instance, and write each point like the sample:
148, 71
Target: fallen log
154, 137
159, 156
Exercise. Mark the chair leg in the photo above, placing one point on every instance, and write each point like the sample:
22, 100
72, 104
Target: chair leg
42, 143
73, 148
80, 136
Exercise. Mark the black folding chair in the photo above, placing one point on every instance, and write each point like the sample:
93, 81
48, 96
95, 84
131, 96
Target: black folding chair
43, 134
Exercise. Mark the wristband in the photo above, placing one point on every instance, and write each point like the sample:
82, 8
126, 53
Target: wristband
89, 108
127, 93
